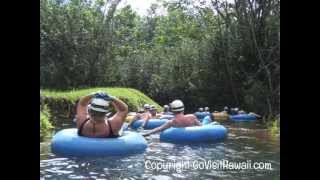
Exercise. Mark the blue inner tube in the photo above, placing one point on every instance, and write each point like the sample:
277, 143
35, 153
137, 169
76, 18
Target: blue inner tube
243, 117
67, 143
167, 116
152, 123
194, 134
201, 115
206, 120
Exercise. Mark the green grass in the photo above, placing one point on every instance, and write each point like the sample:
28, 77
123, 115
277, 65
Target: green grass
134, 98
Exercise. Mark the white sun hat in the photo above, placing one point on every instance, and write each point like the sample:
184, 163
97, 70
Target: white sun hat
99, 105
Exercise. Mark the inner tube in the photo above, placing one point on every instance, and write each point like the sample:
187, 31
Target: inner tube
67, 143
220, 116
194, 134
243, 117
206, 120
201, 115
167, 116
152, 123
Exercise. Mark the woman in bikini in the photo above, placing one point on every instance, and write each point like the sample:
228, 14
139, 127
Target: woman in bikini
91, 116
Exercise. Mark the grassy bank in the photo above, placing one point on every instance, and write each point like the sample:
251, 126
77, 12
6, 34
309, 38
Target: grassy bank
62, 103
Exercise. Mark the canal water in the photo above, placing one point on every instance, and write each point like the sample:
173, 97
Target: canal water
248, 143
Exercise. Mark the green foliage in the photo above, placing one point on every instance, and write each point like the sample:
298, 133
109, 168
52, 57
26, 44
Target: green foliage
274, 126
213, 55
45, 125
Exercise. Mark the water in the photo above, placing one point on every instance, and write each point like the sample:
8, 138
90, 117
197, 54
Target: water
247, 142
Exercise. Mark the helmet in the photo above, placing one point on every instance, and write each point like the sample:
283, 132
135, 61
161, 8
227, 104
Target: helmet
177, 106
200, 109
206, 108
98, 105
166, 108
146, 106
152, 107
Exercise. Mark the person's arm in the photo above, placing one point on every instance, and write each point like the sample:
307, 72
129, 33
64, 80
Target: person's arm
146, 120
158, 129
82, 106
197, 122
121, 108
119, 117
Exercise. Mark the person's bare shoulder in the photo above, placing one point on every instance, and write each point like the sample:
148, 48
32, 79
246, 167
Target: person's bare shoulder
190, 116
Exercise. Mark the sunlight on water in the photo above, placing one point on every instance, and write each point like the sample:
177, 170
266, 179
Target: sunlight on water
243, 143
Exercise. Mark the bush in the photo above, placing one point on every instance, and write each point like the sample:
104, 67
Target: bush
45, 125
274, 127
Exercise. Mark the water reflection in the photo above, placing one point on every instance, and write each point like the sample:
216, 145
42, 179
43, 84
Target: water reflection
245, 142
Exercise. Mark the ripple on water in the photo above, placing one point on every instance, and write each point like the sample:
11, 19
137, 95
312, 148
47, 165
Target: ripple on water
76, 177
160, 177
240, 145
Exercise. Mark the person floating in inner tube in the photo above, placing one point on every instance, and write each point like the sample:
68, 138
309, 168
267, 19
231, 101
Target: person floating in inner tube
166, 114
242, 112
180, 120
226, 110
234, 111
91, 117
206, 111
250, 113
256, 115
154, 115
199, 113
153, 112
145, 115
166, 110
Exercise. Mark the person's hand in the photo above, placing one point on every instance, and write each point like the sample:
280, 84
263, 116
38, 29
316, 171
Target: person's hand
100, 95
103, 95
109, 98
